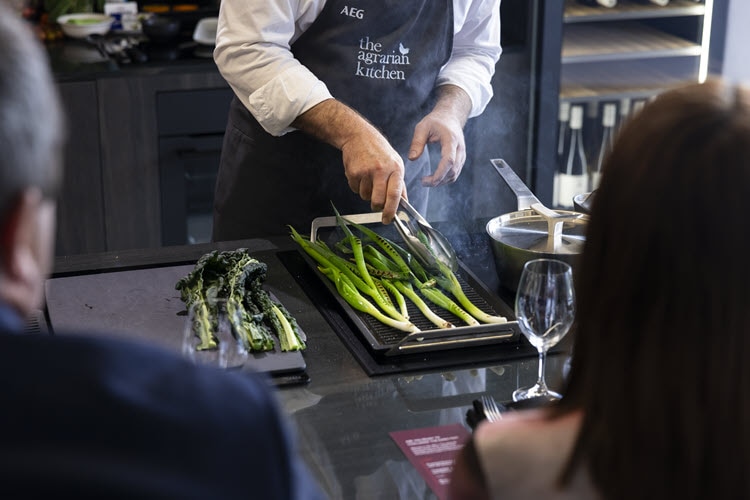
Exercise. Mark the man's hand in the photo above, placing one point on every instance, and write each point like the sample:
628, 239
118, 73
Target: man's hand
444, 124
373, 169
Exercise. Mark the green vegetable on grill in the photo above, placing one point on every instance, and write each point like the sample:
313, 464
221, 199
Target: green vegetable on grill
449, 282
375, 267
350, 286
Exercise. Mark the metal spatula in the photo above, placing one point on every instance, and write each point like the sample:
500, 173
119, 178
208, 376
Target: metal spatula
425, 242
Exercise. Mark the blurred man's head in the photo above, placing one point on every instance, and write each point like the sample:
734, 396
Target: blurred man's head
31, 155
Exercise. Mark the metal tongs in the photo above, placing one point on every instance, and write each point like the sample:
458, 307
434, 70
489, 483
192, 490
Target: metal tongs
425, 242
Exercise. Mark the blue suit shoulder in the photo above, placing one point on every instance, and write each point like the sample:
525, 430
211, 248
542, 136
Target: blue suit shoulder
144, 419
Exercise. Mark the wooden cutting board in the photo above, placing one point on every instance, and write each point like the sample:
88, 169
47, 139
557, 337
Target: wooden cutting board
138, 304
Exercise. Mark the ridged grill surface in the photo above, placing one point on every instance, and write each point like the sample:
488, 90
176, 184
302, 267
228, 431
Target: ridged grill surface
388, 336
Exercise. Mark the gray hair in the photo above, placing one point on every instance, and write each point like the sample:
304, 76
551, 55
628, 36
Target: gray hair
32, 132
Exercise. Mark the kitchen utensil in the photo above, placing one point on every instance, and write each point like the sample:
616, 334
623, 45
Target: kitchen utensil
582, 202
97, 41
205, 31
491, 410
545, 309
81, 25
531, 232
425, 242
136, 54
116, 47
161, 29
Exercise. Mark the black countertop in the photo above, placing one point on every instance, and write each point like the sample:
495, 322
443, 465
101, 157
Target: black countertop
77, 60
343, 417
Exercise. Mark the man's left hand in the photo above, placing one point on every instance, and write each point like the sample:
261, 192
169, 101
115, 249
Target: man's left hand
444, 124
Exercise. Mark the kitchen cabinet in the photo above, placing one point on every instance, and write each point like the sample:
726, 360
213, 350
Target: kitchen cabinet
80, 220
130, 154
191, 126
112, 197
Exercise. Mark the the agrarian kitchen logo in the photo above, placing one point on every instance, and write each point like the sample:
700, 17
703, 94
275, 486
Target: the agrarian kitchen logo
373, 63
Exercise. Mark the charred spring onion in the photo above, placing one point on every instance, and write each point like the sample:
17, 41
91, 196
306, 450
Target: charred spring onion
387, 274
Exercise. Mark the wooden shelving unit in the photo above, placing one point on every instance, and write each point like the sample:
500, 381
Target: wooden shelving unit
632, 50
578, 13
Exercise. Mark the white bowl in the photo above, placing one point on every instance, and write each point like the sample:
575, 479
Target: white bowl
84, 24
205, 31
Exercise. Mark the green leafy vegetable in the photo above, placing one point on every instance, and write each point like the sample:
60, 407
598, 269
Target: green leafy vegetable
236, 278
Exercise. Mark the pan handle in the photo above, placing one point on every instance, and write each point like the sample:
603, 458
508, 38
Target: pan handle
524, 195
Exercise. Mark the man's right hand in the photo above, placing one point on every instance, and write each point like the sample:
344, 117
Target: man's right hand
373, 169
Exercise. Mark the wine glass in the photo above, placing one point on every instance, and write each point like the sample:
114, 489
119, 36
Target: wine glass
545, 308
208, 337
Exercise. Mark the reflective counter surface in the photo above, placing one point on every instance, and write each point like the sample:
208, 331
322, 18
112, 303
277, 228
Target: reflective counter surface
342, 416
82, 59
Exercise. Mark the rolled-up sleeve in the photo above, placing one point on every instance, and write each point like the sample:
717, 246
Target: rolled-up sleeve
277, 103
476, 50
253, 55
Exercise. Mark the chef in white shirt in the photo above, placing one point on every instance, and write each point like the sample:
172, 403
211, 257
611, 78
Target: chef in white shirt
336, 100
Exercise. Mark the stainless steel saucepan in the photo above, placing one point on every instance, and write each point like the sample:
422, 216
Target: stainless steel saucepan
532, 232
582, 202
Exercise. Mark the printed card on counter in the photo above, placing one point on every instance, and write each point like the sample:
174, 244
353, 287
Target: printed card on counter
432, 452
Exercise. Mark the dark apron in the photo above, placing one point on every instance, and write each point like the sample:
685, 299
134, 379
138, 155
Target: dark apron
383, 61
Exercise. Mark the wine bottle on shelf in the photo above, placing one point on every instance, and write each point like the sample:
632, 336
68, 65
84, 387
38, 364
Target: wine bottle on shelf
638, 105
572, 178
563, 139
624, 111
575, 163
591, 129
599, 3
563, 128
609, 115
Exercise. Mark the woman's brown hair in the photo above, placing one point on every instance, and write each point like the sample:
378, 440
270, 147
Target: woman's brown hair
661, 357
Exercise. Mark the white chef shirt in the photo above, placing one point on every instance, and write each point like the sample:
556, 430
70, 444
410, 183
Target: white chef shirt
254, 38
